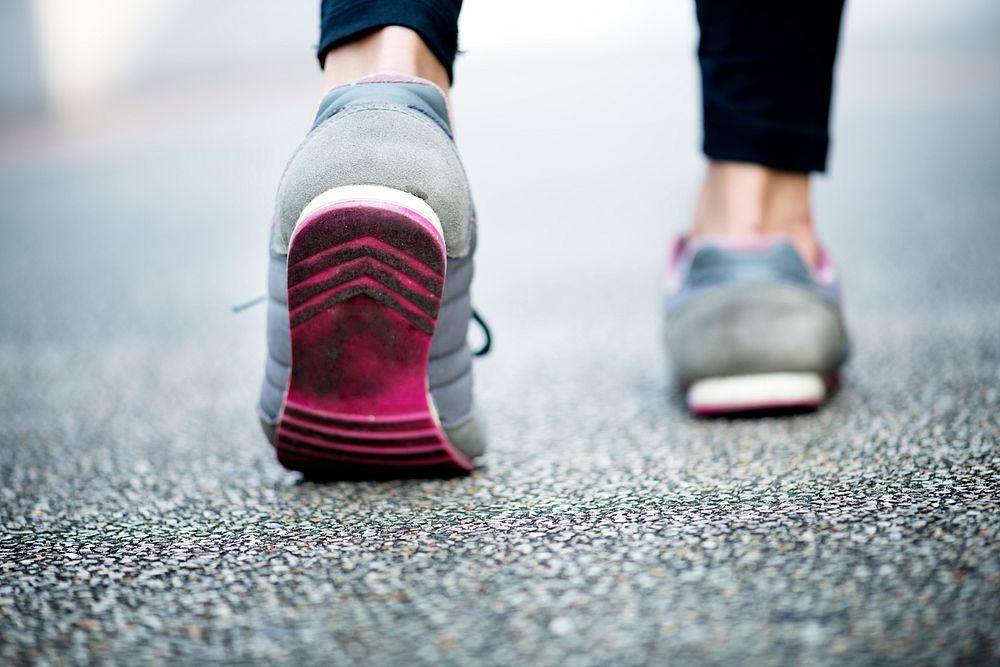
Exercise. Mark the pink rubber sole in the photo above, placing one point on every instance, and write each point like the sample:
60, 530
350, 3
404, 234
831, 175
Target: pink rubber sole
365, 281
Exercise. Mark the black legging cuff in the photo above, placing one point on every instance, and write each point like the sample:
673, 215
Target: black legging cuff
436, 21
728, 139
767, 80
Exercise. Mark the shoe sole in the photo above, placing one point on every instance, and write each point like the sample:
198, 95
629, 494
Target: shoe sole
366, 272
757, 392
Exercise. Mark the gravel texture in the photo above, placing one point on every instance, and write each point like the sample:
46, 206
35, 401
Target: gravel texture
145, 520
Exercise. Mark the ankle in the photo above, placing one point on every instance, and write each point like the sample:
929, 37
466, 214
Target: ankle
394, 49
741, 201
731, 202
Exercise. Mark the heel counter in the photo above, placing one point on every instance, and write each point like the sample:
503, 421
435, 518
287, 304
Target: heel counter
378, 144
755, 328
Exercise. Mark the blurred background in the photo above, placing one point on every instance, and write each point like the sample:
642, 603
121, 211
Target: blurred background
172, 119
63, 58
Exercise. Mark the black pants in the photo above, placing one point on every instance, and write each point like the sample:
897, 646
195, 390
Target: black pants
766, 68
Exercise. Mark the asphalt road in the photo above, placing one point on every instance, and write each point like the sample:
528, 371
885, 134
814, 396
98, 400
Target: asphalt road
145, 519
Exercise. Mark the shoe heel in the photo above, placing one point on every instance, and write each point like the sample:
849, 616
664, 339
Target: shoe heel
366, 271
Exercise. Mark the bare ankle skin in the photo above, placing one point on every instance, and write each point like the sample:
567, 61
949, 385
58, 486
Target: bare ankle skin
390, 49
743, 201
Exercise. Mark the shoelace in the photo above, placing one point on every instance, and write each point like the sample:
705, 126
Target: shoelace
477, 318
249, 303
488, 337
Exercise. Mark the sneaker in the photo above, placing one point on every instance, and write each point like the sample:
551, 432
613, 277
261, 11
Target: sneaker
368, 371
750, 327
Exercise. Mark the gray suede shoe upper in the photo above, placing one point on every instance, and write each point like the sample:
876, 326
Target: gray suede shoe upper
391, 134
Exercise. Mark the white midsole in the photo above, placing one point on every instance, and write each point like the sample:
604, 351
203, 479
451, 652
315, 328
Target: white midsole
373, 193
757, 389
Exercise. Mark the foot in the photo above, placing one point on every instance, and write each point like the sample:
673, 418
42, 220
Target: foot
368, 371
751, 326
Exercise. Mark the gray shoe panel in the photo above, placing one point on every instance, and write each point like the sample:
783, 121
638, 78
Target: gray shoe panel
422, 98
450, 355
755, 328
468, 435
456, 307
712, 266
279, 341
376, 142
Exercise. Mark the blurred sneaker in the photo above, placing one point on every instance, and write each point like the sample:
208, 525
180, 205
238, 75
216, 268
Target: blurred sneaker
750, 327
368, 371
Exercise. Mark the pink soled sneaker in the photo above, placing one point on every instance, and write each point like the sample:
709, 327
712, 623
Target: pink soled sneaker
368, 372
